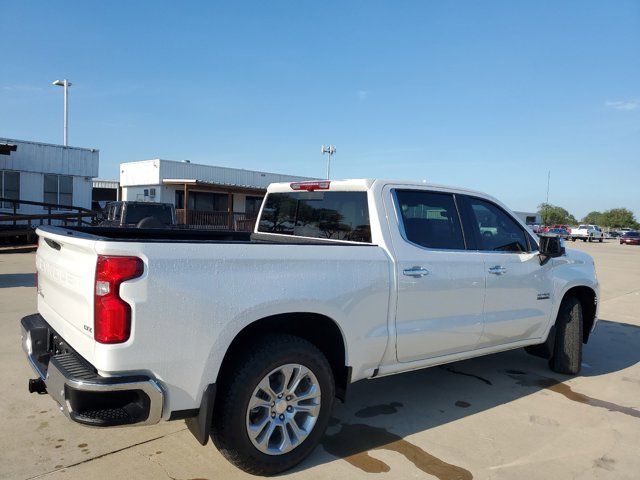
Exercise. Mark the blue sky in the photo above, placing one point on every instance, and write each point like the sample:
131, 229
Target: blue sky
486, 95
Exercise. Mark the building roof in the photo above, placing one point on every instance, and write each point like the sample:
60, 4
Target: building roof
214, 185
13, 140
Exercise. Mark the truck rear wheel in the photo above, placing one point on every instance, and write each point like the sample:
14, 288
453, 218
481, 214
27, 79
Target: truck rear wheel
274, 405
567, 350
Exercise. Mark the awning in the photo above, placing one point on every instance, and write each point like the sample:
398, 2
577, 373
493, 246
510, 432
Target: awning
195, 184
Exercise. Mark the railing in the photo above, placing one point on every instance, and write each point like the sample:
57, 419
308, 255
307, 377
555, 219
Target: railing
240, 222
65, 213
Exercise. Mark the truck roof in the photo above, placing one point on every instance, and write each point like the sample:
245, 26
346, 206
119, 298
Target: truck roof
361, 184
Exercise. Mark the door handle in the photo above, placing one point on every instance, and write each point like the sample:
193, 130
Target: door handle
497, 270
415, 272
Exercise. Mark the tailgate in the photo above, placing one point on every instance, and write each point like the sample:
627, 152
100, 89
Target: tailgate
66, 269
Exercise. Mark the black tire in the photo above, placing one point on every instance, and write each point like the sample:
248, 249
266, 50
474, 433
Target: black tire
567, 351
600, 240
573, 239
228, 430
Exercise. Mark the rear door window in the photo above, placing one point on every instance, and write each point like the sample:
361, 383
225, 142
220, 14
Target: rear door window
326, 215
430, 219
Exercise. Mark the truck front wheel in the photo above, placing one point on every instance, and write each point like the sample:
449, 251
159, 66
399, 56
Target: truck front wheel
567, 350
274, 405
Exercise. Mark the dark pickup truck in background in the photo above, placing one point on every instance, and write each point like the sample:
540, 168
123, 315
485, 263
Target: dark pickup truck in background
138, 214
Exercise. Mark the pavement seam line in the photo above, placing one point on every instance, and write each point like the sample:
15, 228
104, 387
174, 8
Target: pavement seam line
40, 475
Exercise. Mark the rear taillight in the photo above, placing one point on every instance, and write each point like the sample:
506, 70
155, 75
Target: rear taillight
112, 315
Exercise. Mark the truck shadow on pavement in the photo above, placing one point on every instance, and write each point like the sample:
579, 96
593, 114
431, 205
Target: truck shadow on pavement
417, 401
10, 280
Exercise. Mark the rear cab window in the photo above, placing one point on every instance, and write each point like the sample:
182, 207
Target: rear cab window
329, 215
135, 212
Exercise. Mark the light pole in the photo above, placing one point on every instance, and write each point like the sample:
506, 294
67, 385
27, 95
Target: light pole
66, 84
330, 150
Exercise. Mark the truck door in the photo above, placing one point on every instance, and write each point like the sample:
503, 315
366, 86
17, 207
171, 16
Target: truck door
440, 284
519, 295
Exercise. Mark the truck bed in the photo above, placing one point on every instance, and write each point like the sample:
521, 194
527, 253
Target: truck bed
187, 235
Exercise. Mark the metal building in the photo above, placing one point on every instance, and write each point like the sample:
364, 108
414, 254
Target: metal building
216, 197
45, 173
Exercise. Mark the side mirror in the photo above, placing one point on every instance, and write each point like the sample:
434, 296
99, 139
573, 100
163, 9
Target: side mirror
551, 246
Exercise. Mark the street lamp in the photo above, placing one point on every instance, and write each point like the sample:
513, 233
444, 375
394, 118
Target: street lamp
330, 150
66, 84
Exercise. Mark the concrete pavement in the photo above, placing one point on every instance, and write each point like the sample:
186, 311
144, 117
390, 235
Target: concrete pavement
502, 416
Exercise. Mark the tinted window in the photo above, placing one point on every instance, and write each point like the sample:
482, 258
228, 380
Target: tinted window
252, 205
631, 234
430, 219
494, 229
208, 202
65, 196
136, 212
50, 189
10, 187
334, 215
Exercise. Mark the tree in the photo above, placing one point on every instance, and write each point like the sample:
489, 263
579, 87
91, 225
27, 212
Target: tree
619, 218
552, 214
594, 218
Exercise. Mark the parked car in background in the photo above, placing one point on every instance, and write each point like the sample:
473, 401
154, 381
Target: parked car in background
630, 238
559, 231
138, 214
587, 233
251, 338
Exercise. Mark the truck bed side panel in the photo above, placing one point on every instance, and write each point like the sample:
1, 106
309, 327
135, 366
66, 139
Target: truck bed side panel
195, 298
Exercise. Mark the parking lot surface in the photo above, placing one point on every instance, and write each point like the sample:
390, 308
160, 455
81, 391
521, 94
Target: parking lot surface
501, 416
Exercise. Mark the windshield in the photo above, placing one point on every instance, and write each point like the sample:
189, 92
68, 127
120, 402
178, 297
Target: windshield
137, 211
632, 234
330, 215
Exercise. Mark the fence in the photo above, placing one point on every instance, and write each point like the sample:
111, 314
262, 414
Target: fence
240, 222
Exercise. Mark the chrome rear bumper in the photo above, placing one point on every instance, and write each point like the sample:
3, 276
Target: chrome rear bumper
83, 395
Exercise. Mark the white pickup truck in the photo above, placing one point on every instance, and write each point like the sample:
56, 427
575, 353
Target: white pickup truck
587, 232
251, 337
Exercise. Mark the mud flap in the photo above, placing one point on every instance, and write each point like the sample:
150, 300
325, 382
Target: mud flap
200, 425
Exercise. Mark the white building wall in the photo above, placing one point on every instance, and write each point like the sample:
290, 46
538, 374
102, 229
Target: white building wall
135, 177
50, 158
33, 160
153, 172
145, 172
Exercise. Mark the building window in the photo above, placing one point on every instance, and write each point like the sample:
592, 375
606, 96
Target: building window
208, 202
9, 187
252, 205
179, 199
58, 189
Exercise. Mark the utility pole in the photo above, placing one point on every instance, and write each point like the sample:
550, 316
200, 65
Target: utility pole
548, 182
65, 84
330, 150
